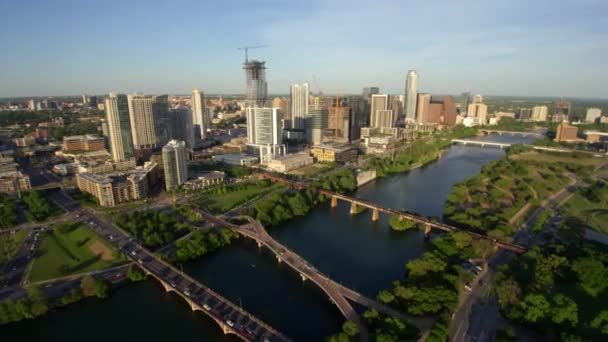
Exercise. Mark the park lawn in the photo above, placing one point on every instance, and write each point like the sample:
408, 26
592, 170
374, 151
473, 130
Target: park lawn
221, 203
595, 215
10, 244
313, 169
80, 250
555, 158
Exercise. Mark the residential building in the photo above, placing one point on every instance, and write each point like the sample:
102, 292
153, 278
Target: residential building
378, 103
298, 105
14, 181
115, 188
411, 94
435, 112
596, 137
174, 164
206, 180
593, 114
525, 114
566, 132
119, 127
83, 143
539, 113
478, 110
264, 132
477, 99
290, 162
423, 104
197, 105
334, 152
256, 91
143, 125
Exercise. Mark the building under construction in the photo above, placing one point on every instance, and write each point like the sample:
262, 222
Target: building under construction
256, 93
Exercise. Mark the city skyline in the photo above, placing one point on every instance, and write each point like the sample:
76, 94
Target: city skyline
501, 49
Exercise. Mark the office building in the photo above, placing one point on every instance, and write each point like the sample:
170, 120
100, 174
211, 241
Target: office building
174, 164
525, 114
378, 103
256, 91
143, 123
83, 143
334, 152
423, 104
465, 98
478, 110
539, 113
448, 111
290, 162
477, 99
235, 159
181, 126
298, 104
264, 134
368, 92
593, 114
396, 104
316, 121
197, 105
411, 94
119, 127
565, 132
384, 118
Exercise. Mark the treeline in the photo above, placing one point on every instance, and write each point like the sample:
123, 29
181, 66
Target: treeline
434, 280
153, 228
8, 211
36, 303
558, 288
200, 243
419, 152
280, 207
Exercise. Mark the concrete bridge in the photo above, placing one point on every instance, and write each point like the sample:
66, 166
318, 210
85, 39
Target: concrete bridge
481, 143
377, 209
500, 132
336, 292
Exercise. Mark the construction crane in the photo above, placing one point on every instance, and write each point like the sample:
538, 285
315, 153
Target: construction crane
246, 48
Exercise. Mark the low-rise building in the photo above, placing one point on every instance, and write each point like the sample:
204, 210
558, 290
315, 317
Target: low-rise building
566, 132
85, 143
14, 181
290, 162
596, 137
115, 188
98, 166
236, 159
341, 153
206, 180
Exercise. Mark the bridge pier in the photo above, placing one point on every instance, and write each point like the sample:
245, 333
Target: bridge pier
334, 201
427, 231
303, 277
353, 208
279, 259
375, 215
259, 244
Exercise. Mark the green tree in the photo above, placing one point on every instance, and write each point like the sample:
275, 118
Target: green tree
350, 328
564, 309
536, 307
592, 275
429, 262
601, 322
386, 296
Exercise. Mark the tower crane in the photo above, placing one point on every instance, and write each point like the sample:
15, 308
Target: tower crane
246, 49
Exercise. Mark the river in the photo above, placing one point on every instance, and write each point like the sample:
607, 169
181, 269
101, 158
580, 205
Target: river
365, 256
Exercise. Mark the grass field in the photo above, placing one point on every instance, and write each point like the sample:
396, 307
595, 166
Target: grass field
71, 248
595, 215
10, 244
314, 169
221, 203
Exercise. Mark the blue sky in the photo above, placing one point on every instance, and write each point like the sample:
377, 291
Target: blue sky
500, 47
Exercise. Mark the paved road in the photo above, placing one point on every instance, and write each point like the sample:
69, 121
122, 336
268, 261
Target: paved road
477, 317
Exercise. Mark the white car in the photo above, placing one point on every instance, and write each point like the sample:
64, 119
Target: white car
133, 253
207, 307
467, 287
230, 323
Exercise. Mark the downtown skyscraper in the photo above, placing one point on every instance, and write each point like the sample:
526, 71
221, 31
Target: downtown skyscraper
256, 91
411, 94
174, 164
143, 123
298, 104
119, 127
199, 122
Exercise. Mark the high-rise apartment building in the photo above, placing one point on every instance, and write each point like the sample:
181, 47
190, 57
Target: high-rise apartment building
298, 104
280, 103
477, 98
256, 91
423, 104
378, 103
593, 114
539, 113
143, 124
411, 94
181, 127
385, 118
478, 110
264, 132
197, 105
119, 127
174, 164
449, 111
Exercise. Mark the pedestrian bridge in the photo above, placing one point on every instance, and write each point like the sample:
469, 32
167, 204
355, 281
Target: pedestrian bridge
501, 132
480, 143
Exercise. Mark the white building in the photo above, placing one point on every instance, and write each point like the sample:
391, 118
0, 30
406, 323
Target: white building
290, 162
593, 114
411, 95
470, 121
143, 123
379, 103
174, 164
197, 103
539, 113
264, 132
478, 110
299, 104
